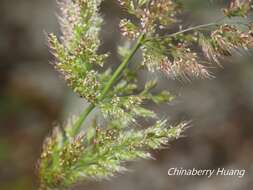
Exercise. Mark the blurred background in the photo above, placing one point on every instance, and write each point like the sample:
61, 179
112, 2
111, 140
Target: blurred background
34, 98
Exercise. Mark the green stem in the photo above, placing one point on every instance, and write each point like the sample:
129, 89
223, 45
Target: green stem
82, 118
219, 21
121, 67
116, 74
188, 30
193, 28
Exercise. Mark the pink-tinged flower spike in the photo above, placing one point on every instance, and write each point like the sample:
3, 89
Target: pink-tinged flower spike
151, 15
223, 41
185, 65
238, 8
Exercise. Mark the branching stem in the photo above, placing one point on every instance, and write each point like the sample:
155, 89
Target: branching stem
198, 27
123, 65
191, 29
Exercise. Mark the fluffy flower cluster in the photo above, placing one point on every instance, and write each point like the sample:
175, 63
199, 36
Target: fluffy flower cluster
185, 64
173, 54
72, 154
98, 153
151, 14
238, 8
223, 41
76, 52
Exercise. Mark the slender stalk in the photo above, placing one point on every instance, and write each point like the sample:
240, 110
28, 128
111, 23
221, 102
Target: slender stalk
188, 30
121, 67
191, 29
82, 118
108, 86
219, 21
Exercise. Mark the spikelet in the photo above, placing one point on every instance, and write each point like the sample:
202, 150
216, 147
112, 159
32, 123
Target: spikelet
238, 8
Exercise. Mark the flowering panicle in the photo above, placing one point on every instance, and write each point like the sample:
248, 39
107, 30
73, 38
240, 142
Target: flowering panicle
99, 152
223, 41
129, 29
154, 55
72, 154
119, 108
176, 60
162, 52
128, 108
238, 8
76, 53
76, 72
79, 20
152, 14
185, 64
228, 37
